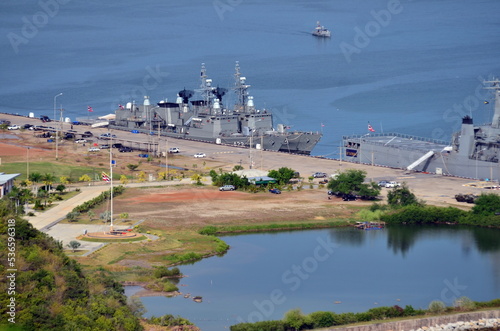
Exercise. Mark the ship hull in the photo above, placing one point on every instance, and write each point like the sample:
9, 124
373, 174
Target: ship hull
399, 155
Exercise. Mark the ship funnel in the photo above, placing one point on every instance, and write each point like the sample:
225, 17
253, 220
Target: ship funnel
178, 100
208, 82
250, 101
128, 105
216, 104
146, 101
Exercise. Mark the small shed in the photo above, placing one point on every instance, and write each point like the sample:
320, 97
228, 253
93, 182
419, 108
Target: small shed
6, 183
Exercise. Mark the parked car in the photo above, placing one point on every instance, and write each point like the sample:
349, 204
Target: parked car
323, 181
383, 183
125, 149
104, 146
94, 149
117, 145
274, 191
320, 175
13, 127
227, 188
144, 155
27, 126
134, 131
349, 197
44, 119
87, 134
80, 141
174, 150
392, 184
200, 155
107, 136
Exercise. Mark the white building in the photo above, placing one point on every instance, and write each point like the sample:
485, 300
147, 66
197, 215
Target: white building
6, 183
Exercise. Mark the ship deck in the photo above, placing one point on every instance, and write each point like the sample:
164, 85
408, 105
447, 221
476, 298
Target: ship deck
397, 140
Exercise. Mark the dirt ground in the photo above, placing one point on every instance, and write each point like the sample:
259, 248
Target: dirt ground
195, 206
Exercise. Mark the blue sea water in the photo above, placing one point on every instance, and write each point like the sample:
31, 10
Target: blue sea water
407, 66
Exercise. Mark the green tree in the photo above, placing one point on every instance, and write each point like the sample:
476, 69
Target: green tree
60, 188
401, 197
72, 216
352, 182
48, 179
238, 167
486, 204
73, 244
282, 175
197, 179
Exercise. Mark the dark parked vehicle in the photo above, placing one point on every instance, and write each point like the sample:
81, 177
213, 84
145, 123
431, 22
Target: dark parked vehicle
27, 126
275, 191
44, 119
87, 134
117, 145
143, 155
349, 197
125, 149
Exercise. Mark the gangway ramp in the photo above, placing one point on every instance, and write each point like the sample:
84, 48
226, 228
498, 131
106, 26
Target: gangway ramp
420, 160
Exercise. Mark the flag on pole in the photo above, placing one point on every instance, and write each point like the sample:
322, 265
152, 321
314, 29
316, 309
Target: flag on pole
90, 109
105, 177
121, 107
370, 128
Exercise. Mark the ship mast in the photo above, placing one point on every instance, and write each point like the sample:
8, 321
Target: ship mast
205, 86
241, 90
495, 85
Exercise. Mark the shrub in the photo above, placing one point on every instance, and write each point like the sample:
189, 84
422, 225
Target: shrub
296, 319
464, 304
437, 307
322, 319
208, 230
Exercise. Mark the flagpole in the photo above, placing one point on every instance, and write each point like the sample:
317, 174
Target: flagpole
111, 180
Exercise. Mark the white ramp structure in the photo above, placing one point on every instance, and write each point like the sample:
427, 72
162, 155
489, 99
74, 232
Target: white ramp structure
420, 160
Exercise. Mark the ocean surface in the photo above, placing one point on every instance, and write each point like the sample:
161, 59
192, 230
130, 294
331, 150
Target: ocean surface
405, 66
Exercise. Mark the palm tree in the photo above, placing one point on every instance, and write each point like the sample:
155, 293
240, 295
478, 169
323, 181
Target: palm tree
48, 179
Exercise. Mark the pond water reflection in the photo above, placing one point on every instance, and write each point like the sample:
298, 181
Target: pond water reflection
264, 275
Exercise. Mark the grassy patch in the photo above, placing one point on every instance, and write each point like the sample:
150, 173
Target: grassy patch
55, 168
211, 230
98, 240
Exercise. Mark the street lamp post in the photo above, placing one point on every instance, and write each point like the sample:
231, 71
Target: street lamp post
55, 105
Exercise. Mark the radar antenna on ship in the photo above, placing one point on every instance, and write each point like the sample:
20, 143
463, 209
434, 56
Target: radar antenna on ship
185, 95
219, 92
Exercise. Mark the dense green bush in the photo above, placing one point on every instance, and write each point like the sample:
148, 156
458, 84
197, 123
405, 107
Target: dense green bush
160, 272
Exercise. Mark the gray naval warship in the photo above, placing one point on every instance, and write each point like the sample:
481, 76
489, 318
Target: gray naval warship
473, 152
207, 120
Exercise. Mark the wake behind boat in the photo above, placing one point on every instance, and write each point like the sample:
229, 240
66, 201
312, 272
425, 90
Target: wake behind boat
206, 119
321, 31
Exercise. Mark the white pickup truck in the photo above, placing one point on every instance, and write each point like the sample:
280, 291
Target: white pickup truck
392, 184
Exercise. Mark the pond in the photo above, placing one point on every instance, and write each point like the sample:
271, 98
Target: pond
265, 275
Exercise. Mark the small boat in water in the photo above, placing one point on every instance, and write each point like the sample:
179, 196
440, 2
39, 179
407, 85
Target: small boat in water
369, 225
321, 31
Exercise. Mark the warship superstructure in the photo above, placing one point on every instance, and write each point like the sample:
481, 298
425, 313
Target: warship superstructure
473, 152
207, 119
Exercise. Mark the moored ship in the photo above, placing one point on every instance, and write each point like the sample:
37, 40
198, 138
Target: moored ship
207, 119
473, 152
